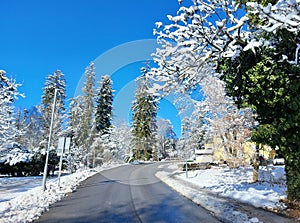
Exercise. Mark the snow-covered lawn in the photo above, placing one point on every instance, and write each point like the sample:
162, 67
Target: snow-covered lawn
237, 184
201, 186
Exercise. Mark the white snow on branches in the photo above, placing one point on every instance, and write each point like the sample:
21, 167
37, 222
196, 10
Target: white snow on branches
284, 14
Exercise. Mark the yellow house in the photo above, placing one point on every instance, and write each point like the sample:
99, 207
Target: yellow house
241, 154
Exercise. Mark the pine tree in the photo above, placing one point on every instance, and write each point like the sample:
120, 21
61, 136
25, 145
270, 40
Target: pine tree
76, 117
33, 120
20, 123
53, 81
144, 112
102, 146
8, 94
87, 128
104, 107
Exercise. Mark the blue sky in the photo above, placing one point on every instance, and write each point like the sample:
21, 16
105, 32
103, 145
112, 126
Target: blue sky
41, 36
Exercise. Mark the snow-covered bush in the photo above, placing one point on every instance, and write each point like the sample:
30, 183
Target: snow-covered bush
14, 160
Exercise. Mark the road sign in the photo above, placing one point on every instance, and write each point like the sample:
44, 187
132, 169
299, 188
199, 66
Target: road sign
61, 145
67, 145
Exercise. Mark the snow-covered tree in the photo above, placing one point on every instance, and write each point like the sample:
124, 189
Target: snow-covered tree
30, 121
261, 69
266, 78
75, 126
104, 107
113, 145
191, 47
8, 94
20, 125
144, 112
166, 138
87, 128
53, 81
9, 130
194, 134
15, 160
196, 38
121, 137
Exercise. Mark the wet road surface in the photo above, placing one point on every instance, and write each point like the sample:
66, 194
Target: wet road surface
129, 193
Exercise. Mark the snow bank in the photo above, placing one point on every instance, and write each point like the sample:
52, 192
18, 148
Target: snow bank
236, 184
30, 205
210, 188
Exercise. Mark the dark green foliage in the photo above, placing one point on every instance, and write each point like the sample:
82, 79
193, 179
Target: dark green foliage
53, 81
104, 107
144, 112
263, 2
271, 86
32, 168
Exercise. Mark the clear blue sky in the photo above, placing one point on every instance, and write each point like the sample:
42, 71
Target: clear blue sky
40, 36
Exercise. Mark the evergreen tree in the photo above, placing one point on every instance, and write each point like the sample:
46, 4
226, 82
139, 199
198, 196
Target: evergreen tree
33, 121
53, 81
103, 147
87, 128
144, 112
20, 123
76, 117
8, 94
104, 107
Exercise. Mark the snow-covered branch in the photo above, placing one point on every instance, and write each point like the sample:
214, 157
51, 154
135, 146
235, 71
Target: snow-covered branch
194, 41
285, 14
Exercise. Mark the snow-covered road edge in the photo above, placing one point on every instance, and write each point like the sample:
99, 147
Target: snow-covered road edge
30, 205
220, 208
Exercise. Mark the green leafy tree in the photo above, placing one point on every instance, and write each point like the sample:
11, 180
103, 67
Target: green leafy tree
268, 80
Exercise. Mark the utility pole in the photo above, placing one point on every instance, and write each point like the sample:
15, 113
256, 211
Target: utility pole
49, 141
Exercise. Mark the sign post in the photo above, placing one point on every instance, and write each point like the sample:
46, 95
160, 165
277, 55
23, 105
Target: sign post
63, 147
60, 152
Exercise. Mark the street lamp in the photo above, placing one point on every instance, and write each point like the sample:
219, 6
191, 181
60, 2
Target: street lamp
49, 141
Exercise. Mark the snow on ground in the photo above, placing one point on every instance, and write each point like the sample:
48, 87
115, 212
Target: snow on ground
10, 187
202, 186
26, 202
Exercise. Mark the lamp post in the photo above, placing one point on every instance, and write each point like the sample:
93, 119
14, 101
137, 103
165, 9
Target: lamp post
49, 141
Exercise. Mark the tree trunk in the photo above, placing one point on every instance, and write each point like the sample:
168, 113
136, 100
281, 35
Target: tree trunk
256, 165
293, 178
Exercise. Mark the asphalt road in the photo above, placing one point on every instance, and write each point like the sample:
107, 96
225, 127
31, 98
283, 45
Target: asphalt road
129, 193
